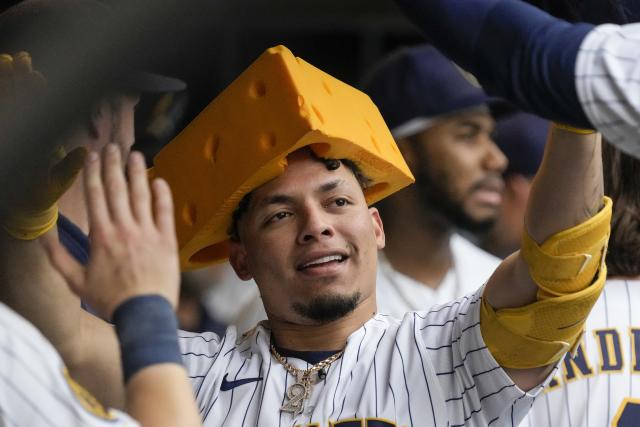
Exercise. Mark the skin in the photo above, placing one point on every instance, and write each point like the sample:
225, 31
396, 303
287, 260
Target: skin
305, 214
106, 127
455, 162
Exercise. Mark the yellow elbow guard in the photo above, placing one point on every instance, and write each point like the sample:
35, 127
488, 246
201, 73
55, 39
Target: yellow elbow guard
570, 272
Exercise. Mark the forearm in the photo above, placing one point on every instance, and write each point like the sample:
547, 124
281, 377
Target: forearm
515, 50
566, 191
166, 383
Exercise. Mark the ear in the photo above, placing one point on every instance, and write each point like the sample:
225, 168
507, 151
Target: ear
95, 121
238, 260
377, 227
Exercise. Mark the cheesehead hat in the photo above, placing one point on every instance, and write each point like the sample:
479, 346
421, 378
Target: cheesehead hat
242, 138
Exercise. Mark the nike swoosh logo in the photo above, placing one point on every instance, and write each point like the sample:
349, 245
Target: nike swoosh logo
228, 385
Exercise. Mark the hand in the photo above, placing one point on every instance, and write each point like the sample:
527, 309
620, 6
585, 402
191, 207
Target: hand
133, 243
34, 178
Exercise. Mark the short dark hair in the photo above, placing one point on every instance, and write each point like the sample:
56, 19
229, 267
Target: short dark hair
622, 184
330, 164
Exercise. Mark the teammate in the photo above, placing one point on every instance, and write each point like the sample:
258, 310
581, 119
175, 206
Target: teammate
36, 386
579, 74
521, 137
310, 241
442, 125
604, 367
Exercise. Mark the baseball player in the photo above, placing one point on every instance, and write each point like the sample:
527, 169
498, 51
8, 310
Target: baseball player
442, 125
597, 386
36, 387
576, 73
310, 240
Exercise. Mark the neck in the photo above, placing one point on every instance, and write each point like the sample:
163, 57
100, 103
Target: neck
72, 205
418, 242
328, 336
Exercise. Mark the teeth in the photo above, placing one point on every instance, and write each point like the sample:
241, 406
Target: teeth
323, 260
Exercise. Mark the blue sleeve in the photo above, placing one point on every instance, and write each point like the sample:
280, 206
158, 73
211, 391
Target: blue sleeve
515, 50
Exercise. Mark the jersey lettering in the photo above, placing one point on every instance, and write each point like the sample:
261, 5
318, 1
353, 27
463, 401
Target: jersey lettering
610, 350
577, 366
635, 349
628, 414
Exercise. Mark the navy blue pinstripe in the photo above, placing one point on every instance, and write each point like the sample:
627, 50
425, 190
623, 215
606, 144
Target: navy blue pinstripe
606, 320
232, 392
333, 407
375, 372
424, 373
252, 395
264, 388
197, 394
406, 386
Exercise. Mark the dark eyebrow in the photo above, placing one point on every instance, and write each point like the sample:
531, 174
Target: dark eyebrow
283, 199
328, 186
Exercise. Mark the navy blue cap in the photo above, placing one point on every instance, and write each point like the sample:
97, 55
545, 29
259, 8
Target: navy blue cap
416, 84
521, 137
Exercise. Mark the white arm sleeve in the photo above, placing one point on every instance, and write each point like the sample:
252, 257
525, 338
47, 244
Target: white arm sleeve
608, 83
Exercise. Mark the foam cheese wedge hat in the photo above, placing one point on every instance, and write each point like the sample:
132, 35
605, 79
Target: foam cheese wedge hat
242, 138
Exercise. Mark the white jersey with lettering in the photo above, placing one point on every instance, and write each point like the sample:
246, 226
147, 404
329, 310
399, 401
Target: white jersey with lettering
398, 293
608, 83
600, 385
35, 389
430, 369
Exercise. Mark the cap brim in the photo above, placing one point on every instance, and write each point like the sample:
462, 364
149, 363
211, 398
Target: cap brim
146, 82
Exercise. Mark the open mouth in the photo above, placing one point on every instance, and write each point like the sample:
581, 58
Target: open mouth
324, 261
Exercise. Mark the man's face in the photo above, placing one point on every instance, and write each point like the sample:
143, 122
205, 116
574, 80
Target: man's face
310, 242
122, 117
459, 169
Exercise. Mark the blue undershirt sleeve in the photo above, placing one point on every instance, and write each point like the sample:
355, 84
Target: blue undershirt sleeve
515, 50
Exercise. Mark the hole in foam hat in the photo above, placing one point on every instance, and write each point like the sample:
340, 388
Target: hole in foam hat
210, 148
327, 88
375, 143
267, 141
257, 89
318, 113
189, 214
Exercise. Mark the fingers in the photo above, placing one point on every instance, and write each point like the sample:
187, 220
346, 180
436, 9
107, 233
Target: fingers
163, 207
99, 219
139, 194
65, 264
115, 184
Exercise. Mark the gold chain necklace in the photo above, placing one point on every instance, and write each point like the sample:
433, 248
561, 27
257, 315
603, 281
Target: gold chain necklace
299, 391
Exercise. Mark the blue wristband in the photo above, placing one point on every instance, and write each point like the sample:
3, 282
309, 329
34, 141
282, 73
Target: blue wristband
147, 330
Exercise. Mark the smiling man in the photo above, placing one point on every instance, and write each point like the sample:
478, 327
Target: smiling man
295, 215
442, 124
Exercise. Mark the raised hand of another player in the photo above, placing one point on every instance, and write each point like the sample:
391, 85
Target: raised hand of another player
133, 243
32, 178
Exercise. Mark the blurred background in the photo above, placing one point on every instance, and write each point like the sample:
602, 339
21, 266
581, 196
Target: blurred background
208, 43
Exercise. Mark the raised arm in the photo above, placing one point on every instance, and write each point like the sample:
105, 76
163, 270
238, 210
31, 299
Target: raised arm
572, 73
529, 319
133, 279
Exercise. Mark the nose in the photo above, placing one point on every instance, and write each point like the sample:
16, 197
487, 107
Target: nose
315, 226
494, 159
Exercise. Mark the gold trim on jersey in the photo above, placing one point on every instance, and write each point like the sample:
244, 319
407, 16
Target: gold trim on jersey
86, 399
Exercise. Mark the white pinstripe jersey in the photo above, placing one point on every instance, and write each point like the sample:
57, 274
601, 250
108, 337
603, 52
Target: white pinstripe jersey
608, 83
430, 369
602, 382
34, 387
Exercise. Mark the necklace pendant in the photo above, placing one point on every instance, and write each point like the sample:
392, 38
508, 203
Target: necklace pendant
297, 393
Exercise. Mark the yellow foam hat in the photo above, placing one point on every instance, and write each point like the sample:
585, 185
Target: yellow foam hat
242, 138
